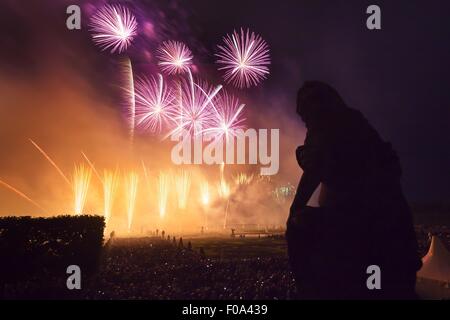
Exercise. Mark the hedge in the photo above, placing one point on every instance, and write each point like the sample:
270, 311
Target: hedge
46, 246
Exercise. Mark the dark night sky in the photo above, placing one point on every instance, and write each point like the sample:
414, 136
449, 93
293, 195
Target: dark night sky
397, 76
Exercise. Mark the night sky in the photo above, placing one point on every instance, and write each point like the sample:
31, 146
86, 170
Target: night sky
397, 76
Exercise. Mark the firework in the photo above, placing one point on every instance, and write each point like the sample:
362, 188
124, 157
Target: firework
131, 185
223, 187
244, 58
22, 195
204, 191
92, 167
130, 97
183, 185
110, 184
174, 57
227, 117
243, 179
113, 28
195, 110
81, 181
154, 104
163, 193
51, 162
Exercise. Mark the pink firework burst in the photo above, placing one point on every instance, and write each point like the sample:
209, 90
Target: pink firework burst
154, 104
227, 118
113, 28
244, 58
174, 57
194, 106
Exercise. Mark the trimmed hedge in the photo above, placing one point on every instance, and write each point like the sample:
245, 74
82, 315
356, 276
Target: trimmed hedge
46, 246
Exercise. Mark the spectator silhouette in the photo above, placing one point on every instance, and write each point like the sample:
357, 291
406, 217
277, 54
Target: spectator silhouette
363, 218
180, 243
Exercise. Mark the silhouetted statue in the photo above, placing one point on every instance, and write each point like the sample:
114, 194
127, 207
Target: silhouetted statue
363, 218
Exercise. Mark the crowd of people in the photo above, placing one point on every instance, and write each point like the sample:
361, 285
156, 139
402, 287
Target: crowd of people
161, 268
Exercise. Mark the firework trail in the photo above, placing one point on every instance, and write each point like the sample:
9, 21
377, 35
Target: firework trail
196, 107
224, 192
147, 178
183, 185
110, 184
131, 185
223, 188
51, 162
130, 98
92, 167
174, 57
154, 104
22, 195
228, 117
244, 58
113, 28
163, 193
81, 180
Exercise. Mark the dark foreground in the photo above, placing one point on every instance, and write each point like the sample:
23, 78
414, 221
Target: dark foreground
157, 269
152, 268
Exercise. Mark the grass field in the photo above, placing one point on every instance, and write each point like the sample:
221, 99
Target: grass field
238, 248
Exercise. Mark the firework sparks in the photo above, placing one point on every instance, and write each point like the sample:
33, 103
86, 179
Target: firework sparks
223, 188
46, 156
113, 28
154, 104
81, 181
204, 191
131, 185
174, 57
244, 58
163, 193
22, 195
227, 118
110, 184
243, 179
195, 110
183, 185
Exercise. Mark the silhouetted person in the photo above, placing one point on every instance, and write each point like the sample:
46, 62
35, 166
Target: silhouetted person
201, 251
163, 233
174, 241
363, 218
180, 243
157, 231
189, 246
